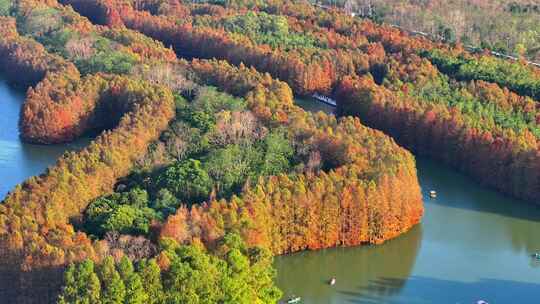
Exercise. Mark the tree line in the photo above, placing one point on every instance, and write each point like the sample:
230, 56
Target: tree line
233, 273
41, 219
389, 57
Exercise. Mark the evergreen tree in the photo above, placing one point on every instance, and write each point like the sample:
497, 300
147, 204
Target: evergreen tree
135, 293
81, 285
151, 276
114, 290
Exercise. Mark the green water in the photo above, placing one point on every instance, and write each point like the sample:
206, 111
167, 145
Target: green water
473, 244
312, 105
19, 160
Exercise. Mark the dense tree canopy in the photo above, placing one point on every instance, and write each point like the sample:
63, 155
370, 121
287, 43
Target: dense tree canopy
207, 168
460, 97
508, 26
254, 138
181, 274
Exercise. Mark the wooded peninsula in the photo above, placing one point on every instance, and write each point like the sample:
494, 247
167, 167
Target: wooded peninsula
204, 168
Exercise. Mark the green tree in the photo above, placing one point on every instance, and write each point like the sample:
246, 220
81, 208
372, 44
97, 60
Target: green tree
202, 120
250, 274
114, 290
41, 21
278, 152
151, 276
122, 219
233, 274
5, 6
81, 285
235, 283
126, 212
165, 202
96, 213
136, 197
229, 167
211, 101
192, 277
187, 180
135, 292
263, 275
112, 62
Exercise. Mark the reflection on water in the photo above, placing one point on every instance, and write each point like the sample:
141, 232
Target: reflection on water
306, 274
19, 160
475, 233
473, 244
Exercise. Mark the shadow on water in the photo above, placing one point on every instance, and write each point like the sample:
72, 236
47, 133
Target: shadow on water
457, 190
35, 158
444, 291
306, 274
473, 244
473, 217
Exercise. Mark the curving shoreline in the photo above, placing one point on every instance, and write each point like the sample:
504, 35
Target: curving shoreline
371, 195
438, 130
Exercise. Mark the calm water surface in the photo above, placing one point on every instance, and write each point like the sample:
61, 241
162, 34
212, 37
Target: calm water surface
19, 160
473, 244
312, 105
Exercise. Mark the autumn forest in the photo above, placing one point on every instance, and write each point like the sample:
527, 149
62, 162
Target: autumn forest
204, 168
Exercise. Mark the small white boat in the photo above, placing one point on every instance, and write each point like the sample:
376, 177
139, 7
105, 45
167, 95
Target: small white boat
294, 300
332, 282
433, 194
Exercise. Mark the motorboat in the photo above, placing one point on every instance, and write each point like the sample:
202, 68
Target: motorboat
294, 300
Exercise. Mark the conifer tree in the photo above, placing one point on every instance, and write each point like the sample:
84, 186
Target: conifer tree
135, 293
114, 290
82, 285
151, 276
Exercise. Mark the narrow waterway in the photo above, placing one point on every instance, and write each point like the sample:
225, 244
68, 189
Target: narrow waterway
473, 244
19, 160
312, 105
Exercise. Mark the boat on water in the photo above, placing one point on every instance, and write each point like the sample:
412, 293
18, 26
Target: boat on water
294, 300
332, 282
536, 255
325, 99
433, 194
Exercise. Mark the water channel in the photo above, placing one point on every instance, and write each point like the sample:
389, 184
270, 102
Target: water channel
473, 244
19, 160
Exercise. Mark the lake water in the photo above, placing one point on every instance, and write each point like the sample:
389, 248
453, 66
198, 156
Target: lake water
19, 160
473, 244
312, 105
